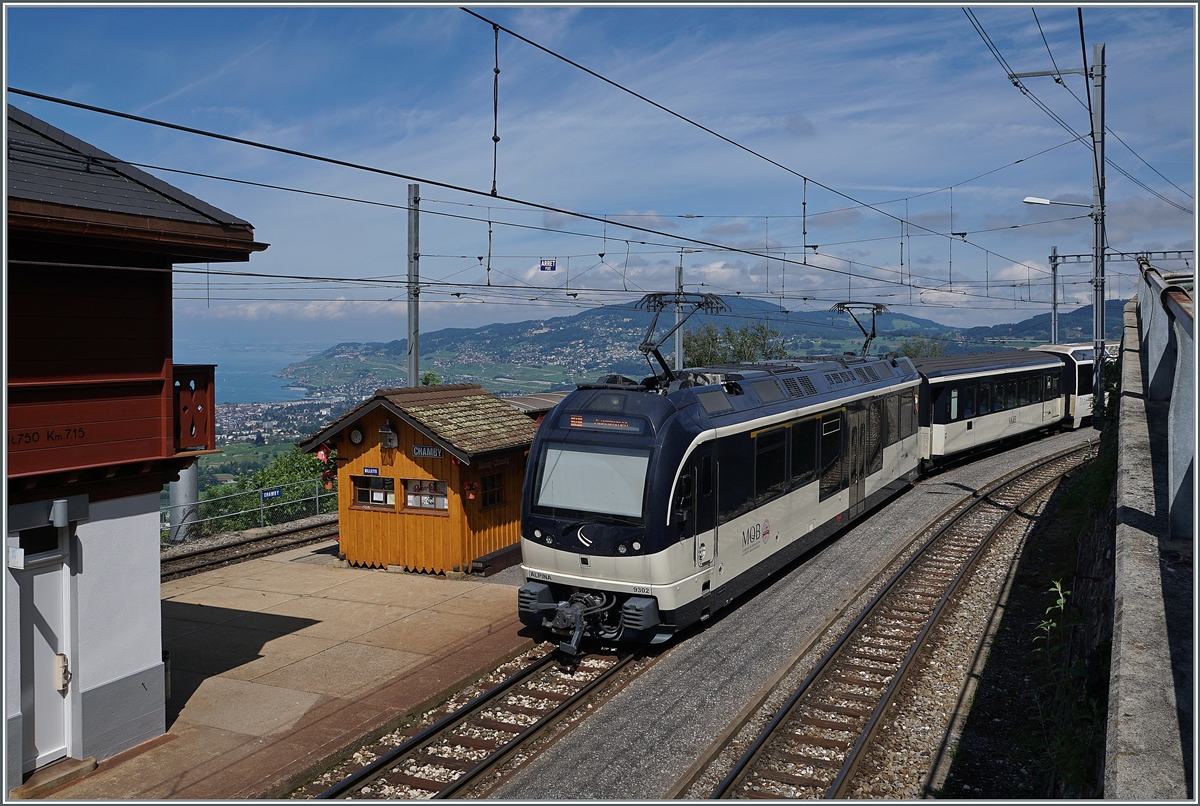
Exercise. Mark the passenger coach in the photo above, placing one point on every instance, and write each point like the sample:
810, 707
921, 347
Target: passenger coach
645, 512
1079, 365
973, 400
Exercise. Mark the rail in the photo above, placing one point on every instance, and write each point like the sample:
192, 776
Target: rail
511, 727
954, 543
247, 509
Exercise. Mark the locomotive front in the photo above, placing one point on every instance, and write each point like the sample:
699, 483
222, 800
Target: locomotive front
597, 550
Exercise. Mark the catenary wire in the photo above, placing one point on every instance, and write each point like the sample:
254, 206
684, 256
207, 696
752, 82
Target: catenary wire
701, 126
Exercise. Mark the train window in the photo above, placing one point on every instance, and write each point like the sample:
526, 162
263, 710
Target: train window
770, 476
953, 405
572, 478
1035, 390
1023, 392
683, 493
735, 487
1010, 394
1052, 383
831, 455
985, 398
968, 402
893, 419
804, 451
1084, 387
908, 414
875, 436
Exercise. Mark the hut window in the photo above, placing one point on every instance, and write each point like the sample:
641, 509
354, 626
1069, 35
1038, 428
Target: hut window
425, 494
374, 491
492, 488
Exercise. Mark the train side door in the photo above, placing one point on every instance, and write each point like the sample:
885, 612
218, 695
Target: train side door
858, 461
704, 472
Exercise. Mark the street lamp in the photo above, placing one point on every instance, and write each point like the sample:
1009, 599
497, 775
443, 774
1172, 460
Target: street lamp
1097, 294
1036, 200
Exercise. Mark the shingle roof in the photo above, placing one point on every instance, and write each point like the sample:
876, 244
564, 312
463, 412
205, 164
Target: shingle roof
464, 418
45, 164
469, 418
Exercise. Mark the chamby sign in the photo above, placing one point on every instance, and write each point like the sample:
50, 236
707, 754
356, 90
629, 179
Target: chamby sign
427, 452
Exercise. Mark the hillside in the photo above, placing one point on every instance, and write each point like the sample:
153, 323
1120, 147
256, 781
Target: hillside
557, 353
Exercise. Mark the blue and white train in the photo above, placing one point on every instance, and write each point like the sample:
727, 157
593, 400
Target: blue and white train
649, 506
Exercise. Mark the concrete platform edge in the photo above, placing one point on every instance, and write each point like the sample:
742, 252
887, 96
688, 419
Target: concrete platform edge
1144, 757
274, 790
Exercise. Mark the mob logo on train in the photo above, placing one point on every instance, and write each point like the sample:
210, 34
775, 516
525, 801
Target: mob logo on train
756, 535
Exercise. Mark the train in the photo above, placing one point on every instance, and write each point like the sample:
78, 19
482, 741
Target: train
650, 505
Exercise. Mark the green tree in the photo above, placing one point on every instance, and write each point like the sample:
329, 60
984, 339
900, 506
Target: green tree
290, 467
702, 347
921, 348
430, 378
706, 345
235, 507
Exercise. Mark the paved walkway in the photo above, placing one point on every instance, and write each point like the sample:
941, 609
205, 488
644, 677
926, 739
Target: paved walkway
279, 665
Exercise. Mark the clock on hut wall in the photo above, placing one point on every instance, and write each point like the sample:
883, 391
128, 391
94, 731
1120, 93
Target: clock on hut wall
356, 435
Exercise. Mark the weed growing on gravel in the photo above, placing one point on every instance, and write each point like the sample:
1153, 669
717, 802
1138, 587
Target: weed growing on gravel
1069, 716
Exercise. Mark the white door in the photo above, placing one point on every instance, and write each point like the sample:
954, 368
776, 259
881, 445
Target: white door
44, 612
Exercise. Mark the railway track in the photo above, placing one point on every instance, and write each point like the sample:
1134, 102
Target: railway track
814, 744
467, 749
204, 559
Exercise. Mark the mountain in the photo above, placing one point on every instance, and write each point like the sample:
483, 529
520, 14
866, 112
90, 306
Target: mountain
556, 353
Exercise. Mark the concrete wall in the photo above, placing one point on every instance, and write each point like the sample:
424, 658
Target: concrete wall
1169, 362
12, 679
116, 695
119, 673
1144, 756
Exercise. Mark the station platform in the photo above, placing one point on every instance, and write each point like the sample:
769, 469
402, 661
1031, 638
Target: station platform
281, 664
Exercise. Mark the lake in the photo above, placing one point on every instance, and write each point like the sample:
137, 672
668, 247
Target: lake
246, 373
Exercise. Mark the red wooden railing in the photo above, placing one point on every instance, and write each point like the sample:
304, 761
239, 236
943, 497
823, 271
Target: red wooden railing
195, 409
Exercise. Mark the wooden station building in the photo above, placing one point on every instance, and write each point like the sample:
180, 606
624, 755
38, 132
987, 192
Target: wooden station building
430, 476
99, 418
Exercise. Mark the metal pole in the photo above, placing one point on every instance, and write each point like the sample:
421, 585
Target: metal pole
1054, 295
678, 314
184, 503
414, 288
1098, 227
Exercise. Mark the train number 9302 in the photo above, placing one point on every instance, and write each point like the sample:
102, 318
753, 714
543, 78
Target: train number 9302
642, 589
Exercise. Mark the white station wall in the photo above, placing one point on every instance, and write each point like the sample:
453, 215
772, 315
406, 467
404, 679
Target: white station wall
118, 606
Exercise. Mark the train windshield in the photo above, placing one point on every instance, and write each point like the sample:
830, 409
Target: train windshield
599, 479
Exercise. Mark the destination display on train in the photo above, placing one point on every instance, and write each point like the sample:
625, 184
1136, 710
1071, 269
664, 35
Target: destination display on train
607, 422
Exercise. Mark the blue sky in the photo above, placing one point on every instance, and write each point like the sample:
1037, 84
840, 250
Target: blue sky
888, 106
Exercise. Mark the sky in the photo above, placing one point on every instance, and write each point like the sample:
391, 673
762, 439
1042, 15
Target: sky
878, 131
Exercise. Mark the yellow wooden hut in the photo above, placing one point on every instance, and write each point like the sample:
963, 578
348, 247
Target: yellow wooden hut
429, 477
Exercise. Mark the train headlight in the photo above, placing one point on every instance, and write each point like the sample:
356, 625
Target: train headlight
537, 533
549, 540
621, 549
637, 546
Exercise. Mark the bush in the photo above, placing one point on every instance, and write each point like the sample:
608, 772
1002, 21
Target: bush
299, 477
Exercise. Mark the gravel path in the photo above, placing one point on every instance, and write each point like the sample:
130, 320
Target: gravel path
641, 742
